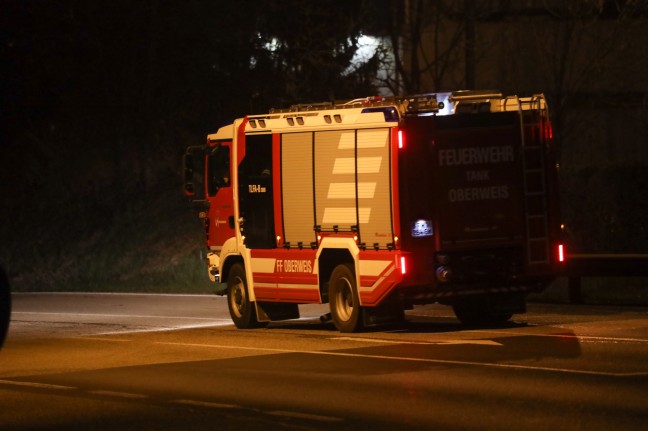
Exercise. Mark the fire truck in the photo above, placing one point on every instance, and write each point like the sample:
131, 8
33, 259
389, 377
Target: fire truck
376, 205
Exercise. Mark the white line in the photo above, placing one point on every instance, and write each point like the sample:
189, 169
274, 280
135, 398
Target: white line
118, 394
36, 385
585, 338
410, 359
167, 328
119, 340
281, 413
206, 404
425, 343
180, 295
308, 416
48, 313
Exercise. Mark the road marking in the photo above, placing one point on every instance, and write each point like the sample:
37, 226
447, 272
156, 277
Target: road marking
209, 322
308, 416
584, 338
143, 316
413, 359
445, 342
167, 328
175, 295
117, 340
117, 394
195, 403
36, 385
206, 404
281, 413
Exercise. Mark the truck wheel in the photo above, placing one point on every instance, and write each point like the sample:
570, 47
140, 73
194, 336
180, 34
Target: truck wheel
242, 310
473, 312
343, 300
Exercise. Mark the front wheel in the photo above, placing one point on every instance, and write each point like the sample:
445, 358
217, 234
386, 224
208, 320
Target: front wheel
242, 310
343, 300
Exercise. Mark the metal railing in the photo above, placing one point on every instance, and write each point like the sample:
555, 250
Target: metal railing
602, 265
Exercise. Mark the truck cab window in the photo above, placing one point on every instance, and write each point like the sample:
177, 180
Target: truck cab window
218, 169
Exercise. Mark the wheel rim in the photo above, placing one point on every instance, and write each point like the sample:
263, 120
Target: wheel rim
237, 297
344, 300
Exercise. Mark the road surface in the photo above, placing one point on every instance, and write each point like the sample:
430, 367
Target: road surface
114, 361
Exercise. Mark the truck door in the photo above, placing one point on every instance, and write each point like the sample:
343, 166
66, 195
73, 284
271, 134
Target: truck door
255, 192
220, 219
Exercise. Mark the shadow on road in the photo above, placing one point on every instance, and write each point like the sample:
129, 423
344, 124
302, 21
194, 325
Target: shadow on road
417, 324
507, 346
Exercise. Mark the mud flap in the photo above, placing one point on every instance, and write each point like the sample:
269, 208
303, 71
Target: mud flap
220, 288
390, 310
273, 311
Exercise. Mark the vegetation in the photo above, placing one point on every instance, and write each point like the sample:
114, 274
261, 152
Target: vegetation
99, 100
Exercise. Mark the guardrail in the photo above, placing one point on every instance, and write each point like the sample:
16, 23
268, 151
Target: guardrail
602, 265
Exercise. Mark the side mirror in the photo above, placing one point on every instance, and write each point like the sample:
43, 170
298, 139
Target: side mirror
189, 189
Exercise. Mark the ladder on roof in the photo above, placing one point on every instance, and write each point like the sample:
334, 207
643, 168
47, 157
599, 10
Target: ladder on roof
533, 113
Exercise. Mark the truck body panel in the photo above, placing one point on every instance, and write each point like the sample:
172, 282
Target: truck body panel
428, 198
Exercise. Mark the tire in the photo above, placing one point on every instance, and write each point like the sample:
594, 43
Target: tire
477, 312
242, 310
344, 302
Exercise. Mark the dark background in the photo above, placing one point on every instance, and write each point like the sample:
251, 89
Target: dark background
100, 99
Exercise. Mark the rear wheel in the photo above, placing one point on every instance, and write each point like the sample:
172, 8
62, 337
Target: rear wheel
343, 300
242, 310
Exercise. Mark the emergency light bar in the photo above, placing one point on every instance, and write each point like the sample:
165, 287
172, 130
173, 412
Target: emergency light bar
423, 103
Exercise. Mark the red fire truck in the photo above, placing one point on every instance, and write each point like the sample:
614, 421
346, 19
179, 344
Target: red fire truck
375, 205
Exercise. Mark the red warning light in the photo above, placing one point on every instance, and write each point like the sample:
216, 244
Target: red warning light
401, 139
548, 131
402, 265
561, 253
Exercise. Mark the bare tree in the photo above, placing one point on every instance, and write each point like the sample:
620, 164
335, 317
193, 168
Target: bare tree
434, 44
589, 57
584, 54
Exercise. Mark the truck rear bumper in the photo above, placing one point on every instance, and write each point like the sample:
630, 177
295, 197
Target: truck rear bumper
450, 293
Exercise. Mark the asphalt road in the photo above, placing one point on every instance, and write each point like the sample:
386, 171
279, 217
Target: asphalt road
126, 362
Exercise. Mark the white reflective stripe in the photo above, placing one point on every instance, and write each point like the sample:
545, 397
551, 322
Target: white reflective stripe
372, 144
366, 165
373, 138
339, 215
263, 264
345, 215
344, 165
341, 191
369, 165
366, 190
363, 215
378, 282
373, 267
